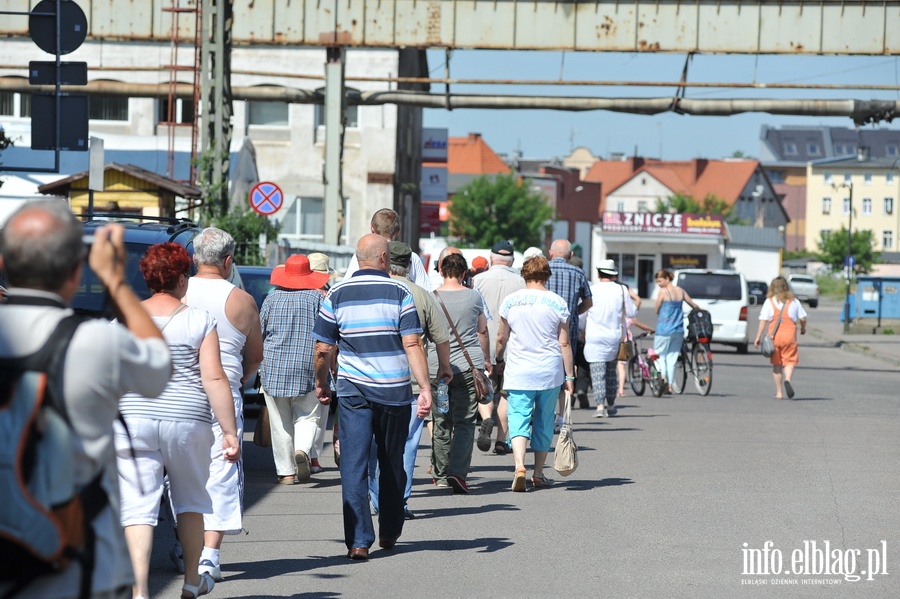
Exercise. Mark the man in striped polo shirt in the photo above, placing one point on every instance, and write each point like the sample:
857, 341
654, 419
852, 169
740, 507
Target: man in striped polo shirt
371, 320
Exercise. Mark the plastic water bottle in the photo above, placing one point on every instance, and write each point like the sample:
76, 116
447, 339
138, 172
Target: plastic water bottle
443, 397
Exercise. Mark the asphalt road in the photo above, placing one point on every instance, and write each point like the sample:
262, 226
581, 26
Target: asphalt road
672, 498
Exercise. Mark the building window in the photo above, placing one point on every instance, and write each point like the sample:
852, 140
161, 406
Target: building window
892, 150
109, 108
888, 205
826, 205
867, 178
790, 149
824, 233
867, 207
620, 206
828, 178
352, 113
848, 178
7, 104
268, 114
15, 104
845, 208
887, 239
889, 178
305, 218
184, 111
776, 176
642, 205
812, 149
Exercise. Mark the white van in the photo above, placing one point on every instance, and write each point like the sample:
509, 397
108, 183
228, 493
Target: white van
724, 294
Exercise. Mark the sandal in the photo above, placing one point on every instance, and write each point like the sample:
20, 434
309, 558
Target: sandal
204, 588
519, 481
541, 482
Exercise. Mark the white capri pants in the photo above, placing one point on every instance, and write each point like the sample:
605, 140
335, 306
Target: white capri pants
225, 484
177, 448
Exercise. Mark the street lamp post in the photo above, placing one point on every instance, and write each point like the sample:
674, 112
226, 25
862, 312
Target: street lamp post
849, 258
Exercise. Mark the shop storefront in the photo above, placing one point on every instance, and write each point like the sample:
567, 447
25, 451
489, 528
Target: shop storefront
642, 242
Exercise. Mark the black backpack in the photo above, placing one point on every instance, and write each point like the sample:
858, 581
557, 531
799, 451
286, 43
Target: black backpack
45, 521
700, 327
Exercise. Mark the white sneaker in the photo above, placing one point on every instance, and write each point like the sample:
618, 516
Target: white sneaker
214, 570
601, 412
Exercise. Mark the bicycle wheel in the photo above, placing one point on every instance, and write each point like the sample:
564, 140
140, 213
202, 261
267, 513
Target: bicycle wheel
657, 386
680, 381
635, 376
703, 367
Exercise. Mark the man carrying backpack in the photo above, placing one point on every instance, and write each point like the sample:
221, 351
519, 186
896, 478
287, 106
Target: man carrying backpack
41, 255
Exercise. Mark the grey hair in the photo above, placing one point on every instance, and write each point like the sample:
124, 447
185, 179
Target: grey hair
45, 259
398, 270
500, 259
212, 246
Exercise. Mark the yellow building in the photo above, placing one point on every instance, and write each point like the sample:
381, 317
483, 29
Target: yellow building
127, 189
872, 183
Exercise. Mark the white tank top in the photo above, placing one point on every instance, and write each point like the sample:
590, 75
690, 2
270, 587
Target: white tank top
211, 295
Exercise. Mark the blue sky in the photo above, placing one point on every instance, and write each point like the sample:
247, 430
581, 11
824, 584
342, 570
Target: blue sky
546, 133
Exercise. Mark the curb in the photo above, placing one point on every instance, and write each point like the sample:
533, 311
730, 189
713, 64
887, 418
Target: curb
855, 348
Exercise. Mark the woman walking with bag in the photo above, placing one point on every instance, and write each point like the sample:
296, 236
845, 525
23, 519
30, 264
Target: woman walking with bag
534, 327
606, 326
787, 312
454, 432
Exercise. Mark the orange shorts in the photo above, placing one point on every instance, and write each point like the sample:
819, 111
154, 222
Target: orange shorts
785, 354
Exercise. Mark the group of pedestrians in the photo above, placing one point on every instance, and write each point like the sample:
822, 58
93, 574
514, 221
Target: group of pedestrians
377, 343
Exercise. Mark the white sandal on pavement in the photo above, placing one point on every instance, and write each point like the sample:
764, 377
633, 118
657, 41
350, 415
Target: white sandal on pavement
206, 585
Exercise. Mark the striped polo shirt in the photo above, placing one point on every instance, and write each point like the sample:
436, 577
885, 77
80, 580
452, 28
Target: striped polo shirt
367, 316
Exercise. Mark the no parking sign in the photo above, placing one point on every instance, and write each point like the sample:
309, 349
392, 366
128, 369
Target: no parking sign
266, 198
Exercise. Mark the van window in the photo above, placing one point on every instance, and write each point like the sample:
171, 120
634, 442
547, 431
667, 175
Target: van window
711, 286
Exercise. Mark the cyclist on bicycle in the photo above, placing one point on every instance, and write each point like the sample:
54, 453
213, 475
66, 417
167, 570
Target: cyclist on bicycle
669, 323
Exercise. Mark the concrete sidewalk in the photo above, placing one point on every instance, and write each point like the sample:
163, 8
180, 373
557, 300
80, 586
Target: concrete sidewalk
824, 325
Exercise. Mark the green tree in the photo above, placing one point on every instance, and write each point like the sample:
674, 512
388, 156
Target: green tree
711, 204
833, 249
245, 226
486, 211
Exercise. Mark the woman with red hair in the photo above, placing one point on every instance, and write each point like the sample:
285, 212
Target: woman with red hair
171, 434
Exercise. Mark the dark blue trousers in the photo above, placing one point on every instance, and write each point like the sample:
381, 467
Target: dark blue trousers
361, 421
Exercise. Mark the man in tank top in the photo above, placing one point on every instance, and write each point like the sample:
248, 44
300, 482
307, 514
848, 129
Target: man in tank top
240, 341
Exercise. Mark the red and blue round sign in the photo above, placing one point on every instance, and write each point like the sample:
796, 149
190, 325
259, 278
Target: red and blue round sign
266, 198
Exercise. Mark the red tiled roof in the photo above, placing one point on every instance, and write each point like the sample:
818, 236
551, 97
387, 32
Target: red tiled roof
697, 178
472, 156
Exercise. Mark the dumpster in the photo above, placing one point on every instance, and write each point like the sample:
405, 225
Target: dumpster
876, 298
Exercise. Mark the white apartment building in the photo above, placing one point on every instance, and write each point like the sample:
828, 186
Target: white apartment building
286, 139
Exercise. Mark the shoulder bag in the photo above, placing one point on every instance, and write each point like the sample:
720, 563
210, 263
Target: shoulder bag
626, 345
767, 343
565, 455
484, 388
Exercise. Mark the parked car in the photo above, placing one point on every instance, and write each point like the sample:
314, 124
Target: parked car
255, 281
805, 288
724, 294
757, 291
91, 298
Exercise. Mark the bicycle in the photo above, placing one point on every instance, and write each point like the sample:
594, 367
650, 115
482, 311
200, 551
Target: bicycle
643, 369
698, 361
